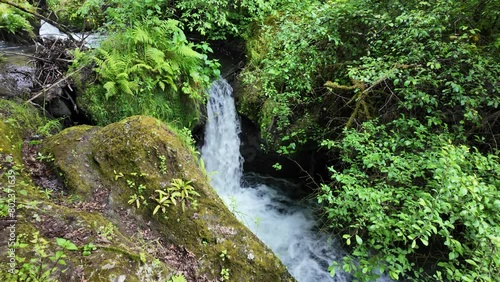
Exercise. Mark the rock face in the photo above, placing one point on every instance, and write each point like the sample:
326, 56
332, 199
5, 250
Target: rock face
107, 166
15, 72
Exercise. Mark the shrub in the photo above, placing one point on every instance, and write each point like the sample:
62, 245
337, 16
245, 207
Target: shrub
405, 199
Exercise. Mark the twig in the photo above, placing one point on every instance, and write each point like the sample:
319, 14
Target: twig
43, 91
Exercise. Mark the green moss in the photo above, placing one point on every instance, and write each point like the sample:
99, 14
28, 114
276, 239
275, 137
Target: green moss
36, 213
129, 150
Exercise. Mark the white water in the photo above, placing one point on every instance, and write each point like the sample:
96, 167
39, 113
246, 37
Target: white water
92, 40
286, 227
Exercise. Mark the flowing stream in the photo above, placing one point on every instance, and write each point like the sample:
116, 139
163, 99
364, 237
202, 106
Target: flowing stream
288, 228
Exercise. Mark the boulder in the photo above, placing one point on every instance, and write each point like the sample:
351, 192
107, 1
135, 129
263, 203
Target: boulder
136, 158
89, 230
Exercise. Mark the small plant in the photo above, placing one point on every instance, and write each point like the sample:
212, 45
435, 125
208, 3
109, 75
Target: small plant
277, 166
47, 193
179, 191
88, 249
163, 164
223, 255
177, 278
107, 231
137, 200
45, 158
118, 175
42, 265
163, 202
224, 273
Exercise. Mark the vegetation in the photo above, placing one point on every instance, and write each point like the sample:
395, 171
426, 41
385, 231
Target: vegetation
402, 96
14, 21
149, 69
405, 98
410, 198
179, 191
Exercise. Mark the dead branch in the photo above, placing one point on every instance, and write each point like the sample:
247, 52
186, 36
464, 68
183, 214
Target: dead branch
43, 91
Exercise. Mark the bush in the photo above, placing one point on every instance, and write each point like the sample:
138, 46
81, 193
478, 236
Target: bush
339, 63
414, 204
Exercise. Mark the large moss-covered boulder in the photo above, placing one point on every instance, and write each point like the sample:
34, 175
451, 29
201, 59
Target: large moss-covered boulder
49, 237
122, 168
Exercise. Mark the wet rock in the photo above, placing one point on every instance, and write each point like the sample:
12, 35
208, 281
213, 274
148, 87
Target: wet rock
58, 108
15, 76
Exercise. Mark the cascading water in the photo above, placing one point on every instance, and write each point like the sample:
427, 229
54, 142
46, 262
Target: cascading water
283, 225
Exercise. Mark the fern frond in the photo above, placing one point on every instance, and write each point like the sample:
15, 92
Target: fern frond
188, 52
140, 35
137, 67
155, 55
110, 87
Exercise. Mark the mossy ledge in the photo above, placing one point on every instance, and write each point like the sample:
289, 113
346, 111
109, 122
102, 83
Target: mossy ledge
106, 165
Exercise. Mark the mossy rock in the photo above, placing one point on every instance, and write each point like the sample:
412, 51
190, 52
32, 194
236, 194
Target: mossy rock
39, 220
108, 165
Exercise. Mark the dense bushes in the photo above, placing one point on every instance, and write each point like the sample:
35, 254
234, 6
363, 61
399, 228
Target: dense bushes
339, 63
14, 21
412, 201
405, 95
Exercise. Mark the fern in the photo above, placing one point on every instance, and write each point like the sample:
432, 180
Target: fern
148, 69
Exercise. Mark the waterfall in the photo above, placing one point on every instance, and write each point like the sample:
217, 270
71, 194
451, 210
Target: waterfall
286, 227
221, 151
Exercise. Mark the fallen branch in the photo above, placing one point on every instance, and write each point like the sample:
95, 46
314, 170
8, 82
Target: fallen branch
43, 91
62, 28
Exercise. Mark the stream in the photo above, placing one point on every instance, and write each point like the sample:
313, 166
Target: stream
285, 226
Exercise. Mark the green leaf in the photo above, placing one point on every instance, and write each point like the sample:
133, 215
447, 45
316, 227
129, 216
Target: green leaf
394, 275
359, 240
332, 271
424, 241
156, 209
68, 245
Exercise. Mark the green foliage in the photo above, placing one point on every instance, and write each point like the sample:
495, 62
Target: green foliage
88, 249
27, 120
179, 191
150, 69
42, 266
137, 198
78, 14
13, 20
107, 232
177, 278
405, 198
163, 164
218, 19
224, 273
310, 76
